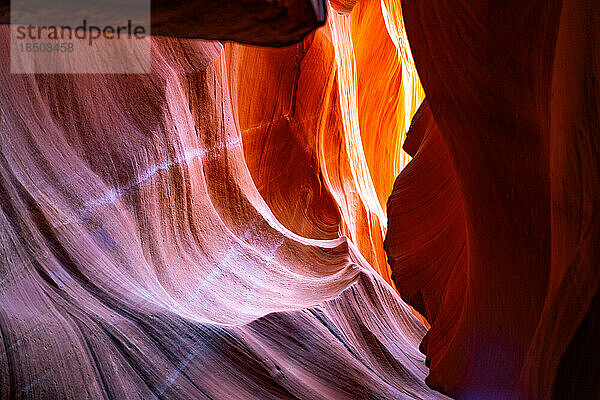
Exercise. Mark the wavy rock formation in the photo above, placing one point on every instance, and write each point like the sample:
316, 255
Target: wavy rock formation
324, 127
505, 184
138, 258
215, 229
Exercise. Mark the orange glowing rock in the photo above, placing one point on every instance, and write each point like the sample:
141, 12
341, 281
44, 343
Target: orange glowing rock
321, 123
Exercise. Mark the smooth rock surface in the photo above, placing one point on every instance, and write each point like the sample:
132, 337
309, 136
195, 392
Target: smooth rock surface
513, 90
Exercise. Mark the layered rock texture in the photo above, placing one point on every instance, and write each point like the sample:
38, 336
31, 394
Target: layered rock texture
138, 258
215, 229
506, 268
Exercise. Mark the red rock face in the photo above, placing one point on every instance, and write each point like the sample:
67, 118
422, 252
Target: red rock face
508, 161
427, 250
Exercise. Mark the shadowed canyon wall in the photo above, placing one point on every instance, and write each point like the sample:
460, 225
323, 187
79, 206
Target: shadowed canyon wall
508, 157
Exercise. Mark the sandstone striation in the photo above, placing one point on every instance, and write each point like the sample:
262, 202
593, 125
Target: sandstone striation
139, 259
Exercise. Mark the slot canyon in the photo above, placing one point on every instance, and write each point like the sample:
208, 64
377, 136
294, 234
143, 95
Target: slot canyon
308, 199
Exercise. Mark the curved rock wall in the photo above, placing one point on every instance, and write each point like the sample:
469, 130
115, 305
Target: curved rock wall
139, 260
314, 113
513, 92
215, 229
